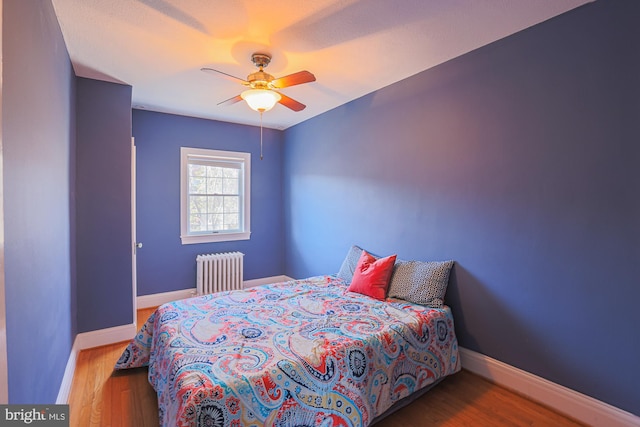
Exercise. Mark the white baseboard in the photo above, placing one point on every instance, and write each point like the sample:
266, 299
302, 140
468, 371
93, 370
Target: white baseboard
265, 281
67, 379
105, 336
155, 300
562, 399
86, 340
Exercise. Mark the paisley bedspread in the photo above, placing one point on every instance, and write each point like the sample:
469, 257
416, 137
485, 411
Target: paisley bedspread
303, 353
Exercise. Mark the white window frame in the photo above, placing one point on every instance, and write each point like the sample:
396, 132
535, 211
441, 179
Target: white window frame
244, 160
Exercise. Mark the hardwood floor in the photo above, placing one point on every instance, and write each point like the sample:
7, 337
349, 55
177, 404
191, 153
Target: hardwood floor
101, 397
466, 399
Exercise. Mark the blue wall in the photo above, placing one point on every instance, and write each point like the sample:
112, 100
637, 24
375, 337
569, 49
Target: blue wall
103, 214
164, 264
38, 144
518, 160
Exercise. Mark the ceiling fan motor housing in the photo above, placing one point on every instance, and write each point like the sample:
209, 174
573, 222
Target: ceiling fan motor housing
259, 80
261, 60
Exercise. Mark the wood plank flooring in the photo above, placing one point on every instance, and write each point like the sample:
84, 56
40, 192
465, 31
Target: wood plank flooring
101, 397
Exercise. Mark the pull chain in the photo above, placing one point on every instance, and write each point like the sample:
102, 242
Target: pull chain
260, 135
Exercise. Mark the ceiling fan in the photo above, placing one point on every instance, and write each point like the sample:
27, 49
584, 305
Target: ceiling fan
264, 88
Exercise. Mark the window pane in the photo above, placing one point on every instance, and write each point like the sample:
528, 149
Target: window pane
214, 172
231, 173
230, 186
215, 204
198, 222
197, 170
216, 222
214, 185
198, 204
231, 204
231, 222
197, 185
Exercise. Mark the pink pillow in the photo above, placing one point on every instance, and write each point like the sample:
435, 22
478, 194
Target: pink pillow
372, 276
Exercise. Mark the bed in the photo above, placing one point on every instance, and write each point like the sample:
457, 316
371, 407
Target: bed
303, 353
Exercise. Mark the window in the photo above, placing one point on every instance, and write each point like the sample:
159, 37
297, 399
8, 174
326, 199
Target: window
214, 195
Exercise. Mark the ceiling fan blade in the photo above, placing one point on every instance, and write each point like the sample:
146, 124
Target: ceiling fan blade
229, 76
293, 79
230, 101
291, 103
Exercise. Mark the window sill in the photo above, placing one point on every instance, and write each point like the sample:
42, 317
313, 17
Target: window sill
215, 237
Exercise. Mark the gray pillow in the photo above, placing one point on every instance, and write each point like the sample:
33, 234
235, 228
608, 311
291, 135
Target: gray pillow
350, 263
419, 282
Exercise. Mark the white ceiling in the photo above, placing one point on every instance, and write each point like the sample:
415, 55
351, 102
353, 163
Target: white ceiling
353, 47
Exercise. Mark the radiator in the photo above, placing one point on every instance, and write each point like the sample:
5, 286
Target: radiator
219, 272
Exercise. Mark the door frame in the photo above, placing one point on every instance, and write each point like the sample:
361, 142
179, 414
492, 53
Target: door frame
134, 242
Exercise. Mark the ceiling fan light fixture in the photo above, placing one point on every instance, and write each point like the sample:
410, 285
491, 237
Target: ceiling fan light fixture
261, 100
